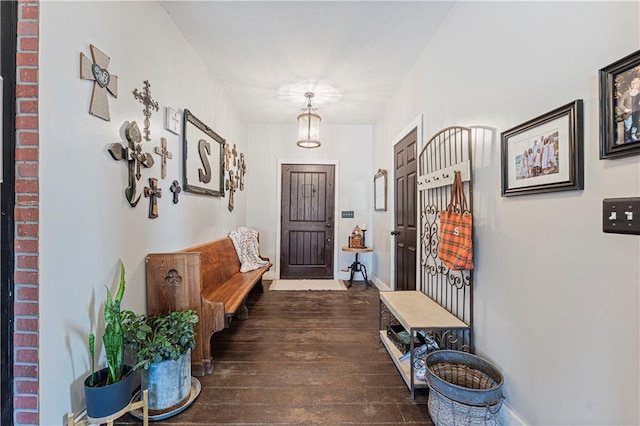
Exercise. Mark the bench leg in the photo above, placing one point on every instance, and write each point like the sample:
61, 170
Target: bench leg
243, 312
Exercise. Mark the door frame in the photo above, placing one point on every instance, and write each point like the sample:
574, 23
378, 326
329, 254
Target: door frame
417, 124
336, 208
9, 19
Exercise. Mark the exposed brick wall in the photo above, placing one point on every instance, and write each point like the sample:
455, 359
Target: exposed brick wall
27, 307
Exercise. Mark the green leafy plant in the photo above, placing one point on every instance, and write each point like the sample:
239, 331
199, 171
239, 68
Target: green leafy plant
113, 336
159, 338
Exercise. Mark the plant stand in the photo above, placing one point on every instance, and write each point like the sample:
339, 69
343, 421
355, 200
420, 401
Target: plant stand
143, 403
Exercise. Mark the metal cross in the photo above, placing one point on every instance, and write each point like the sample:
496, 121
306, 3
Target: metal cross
242, 170
145, 99
175, 188
164, 153
153, 192
103, 81
135, 158
231, 186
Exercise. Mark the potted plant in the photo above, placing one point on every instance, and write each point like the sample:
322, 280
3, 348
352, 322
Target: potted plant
162, 345
108, 391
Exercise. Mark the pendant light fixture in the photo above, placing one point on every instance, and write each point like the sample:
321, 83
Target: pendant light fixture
309, 125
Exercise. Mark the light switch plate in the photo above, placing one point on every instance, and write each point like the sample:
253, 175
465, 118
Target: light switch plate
347, 214
621, 215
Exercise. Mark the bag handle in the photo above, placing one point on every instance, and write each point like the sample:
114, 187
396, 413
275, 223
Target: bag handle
457, 194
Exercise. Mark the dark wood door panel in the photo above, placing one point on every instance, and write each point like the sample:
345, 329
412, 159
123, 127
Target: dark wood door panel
405, 153
307, 223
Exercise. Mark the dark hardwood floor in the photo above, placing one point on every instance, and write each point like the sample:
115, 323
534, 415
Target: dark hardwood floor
302, 358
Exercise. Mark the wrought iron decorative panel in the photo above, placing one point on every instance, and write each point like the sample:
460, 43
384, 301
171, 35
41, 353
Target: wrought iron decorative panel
446, 152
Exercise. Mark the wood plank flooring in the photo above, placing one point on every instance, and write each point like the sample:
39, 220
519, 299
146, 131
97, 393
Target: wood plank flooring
303, 358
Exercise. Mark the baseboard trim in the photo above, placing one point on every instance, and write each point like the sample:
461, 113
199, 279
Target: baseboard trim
381, 285
507, 417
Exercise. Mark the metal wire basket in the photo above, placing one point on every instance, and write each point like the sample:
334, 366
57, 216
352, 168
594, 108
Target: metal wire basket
464, 389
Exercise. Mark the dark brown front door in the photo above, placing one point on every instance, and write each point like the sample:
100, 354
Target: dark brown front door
405, 153
306, 244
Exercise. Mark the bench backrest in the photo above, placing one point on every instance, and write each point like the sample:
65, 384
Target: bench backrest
218, 262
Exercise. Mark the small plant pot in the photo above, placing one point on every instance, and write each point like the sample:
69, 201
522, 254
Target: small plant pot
168, 382
104, 402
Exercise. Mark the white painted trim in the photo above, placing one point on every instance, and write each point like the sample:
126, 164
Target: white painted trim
417, 124
506, 417
336, 208
381, 285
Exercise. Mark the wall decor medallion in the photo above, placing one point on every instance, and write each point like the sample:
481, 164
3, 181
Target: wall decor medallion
227, 156
203, 157
153, 193
149, 104
164, 153
103, 81
135, 158
620, 108
544, 154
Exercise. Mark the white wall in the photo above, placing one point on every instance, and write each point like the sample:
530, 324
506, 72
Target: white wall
347, 146
86, 222
556, 299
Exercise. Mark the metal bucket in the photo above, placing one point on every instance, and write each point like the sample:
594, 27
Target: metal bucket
168, 382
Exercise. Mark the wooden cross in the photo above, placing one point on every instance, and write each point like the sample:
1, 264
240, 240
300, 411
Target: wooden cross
145, 99
227, 155
175, 188
103, 81
153, 192
135, 158
235, 155
164, 153
231, 185
242, 170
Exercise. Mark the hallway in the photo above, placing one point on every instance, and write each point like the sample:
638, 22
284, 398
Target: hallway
303, 358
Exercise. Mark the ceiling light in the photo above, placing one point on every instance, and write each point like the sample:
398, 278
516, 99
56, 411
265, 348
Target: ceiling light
309, 125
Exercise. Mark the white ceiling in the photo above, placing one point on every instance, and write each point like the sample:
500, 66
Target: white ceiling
362, 48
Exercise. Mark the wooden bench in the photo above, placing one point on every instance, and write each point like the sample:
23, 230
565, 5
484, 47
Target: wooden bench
207, 279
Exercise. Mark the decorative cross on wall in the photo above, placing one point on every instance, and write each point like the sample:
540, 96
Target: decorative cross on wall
242, 170
153, 192
227, 155
164, 153
231, 185
135, 157
235, 155
145, 99
103, 82
175, 188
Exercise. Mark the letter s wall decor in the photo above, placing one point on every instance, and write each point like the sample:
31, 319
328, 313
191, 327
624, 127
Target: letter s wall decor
203, 157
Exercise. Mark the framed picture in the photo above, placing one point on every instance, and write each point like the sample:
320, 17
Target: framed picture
620, 108
380, 190
544, 154
203, 157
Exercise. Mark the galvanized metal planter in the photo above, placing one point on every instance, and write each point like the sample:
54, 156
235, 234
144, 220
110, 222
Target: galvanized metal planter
169, 383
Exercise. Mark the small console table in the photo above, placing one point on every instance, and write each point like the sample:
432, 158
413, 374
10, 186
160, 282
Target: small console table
356, 266
415, 311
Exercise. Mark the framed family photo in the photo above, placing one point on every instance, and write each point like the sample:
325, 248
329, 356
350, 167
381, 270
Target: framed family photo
544, 154
620, 108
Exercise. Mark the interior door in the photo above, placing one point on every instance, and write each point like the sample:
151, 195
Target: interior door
307, 221
406, 228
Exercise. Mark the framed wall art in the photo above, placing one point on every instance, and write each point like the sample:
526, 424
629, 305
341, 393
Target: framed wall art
380, 191
203, 157
620, 108
544, 154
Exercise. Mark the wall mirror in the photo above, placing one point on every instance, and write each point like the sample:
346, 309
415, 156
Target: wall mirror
203, 157
380, 190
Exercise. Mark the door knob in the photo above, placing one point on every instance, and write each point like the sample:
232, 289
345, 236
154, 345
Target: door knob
394, 232
329, 225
